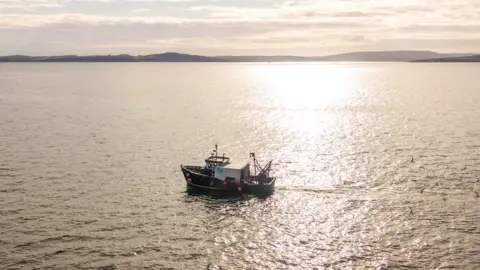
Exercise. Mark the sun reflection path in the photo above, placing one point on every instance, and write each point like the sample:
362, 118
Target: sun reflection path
314, 87
313, 108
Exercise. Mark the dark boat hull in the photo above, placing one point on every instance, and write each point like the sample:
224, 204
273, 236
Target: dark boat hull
200, 180
262, 190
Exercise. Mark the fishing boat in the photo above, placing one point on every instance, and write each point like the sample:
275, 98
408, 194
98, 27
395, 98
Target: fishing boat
219, 174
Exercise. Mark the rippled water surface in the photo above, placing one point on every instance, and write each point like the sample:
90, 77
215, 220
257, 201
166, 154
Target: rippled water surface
377, 165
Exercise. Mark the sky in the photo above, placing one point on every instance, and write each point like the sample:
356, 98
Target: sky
237, 27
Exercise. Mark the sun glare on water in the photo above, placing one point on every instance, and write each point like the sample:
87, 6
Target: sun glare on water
307, 86
305, 98
309, 105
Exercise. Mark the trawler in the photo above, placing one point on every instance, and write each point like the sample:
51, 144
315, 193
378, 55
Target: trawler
220, 174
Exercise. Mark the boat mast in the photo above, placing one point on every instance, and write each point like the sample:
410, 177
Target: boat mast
252, 155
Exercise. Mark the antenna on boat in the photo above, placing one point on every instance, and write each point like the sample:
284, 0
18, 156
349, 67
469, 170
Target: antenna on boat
215, 150
252, 155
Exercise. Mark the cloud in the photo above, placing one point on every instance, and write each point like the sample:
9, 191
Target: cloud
316, 26
141, 10
27, 5
78, 20
444, 28
35, 4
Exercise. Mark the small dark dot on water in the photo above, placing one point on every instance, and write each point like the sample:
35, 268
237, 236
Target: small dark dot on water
108, 267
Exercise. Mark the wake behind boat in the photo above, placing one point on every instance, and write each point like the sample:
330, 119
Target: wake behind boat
219, 174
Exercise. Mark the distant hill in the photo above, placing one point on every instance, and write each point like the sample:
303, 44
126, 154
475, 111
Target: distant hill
68, 58
259, 58
464, 59
373, 56
386, 56
164, 57
177, 57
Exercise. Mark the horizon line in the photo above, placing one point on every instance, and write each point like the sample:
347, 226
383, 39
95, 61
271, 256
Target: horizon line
239, 55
